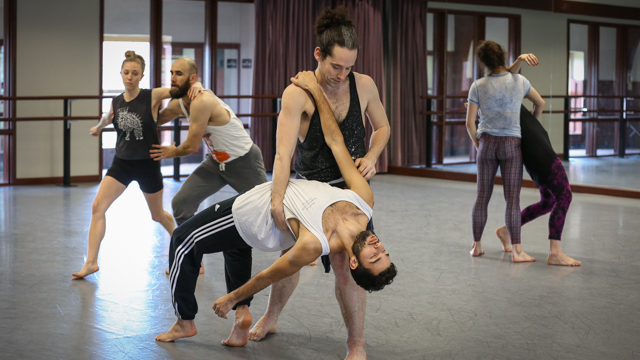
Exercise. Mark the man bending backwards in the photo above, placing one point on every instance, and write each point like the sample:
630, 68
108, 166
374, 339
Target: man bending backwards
321, 219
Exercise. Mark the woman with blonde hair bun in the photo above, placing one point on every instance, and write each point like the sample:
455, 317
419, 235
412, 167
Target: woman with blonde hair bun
134, 115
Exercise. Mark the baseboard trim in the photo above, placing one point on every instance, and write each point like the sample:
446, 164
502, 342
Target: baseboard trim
457, 176
57, 180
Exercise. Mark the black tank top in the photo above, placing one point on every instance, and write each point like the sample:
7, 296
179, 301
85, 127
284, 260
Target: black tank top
537, 153
135, 126
314, 159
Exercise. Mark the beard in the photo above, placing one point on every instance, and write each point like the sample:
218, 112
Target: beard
181, 91
360, 241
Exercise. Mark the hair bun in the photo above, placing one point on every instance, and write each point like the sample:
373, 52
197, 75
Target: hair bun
130, 54
333, 18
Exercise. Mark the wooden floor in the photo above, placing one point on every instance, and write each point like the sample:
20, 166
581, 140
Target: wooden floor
443, 305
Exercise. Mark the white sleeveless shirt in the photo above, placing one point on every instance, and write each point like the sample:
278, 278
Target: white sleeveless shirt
228, 142
304, 200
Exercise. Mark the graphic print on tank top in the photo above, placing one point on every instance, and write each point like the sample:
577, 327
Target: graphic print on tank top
219, 156
129, 122
227, 142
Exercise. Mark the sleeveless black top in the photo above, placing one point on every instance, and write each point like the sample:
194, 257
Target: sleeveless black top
537, 153
314, 159
135, 126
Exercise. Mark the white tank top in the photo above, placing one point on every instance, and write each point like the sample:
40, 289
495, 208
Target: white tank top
228, 142
304, 200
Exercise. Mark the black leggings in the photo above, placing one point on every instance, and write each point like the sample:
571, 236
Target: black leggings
210, 231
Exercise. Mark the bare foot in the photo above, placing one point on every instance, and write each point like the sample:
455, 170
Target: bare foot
562, 260
263, 327
86, 270
503, 235
518, 256
476, 249
240, 332
313, 263
179, 329
356, 353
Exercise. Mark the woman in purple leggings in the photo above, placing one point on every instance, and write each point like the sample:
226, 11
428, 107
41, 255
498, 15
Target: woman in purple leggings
497, 98
547, 171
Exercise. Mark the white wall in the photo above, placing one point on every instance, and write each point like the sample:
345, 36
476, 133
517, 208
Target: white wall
58, 44
127, 17
545, 35
184, 20
236, 24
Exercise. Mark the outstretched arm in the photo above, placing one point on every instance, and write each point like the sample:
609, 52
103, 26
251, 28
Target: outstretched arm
171, 112
301, 254
536, 99
530, 59
333, 137
293, 100
197, 127
104, 121
159, 94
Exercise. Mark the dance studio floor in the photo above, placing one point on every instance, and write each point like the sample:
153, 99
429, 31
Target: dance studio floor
443, 305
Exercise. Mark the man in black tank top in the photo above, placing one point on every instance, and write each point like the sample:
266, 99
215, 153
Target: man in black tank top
314, 160
350, 95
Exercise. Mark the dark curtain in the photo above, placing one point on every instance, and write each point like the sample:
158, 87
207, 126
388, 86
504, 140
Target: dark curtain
408, 82
284, 46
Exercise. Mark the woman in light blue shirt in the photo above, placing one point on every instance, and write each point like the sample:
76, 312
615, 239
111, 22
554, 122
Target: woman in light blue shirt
497, 98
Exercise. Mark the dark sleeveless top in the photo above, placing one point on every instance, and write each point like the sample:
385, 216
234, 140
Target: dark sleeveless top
135, 126
314, 159
537, 153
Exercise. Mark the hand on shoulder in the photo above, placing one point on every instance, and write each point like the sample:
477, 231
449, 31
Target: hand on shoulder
295, 95
204, 99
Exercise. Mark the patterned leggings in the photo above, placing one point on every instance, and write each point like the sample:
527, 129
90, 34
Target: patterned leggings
555, 197
494, 151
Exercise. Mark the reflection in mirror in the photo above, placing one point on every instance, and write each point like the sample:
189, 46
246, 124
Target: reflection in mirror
4, 151
633, 89
580, 52
578, 82
606, 131
461, 67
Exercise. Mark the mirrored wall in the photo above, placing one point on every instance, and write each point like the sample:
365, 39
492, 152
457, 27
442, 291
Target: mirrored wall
589, 68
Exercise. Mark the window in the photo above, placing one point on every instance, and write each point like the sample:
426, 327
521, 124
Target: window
123, 31
180, 41
599, 70
452, 38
